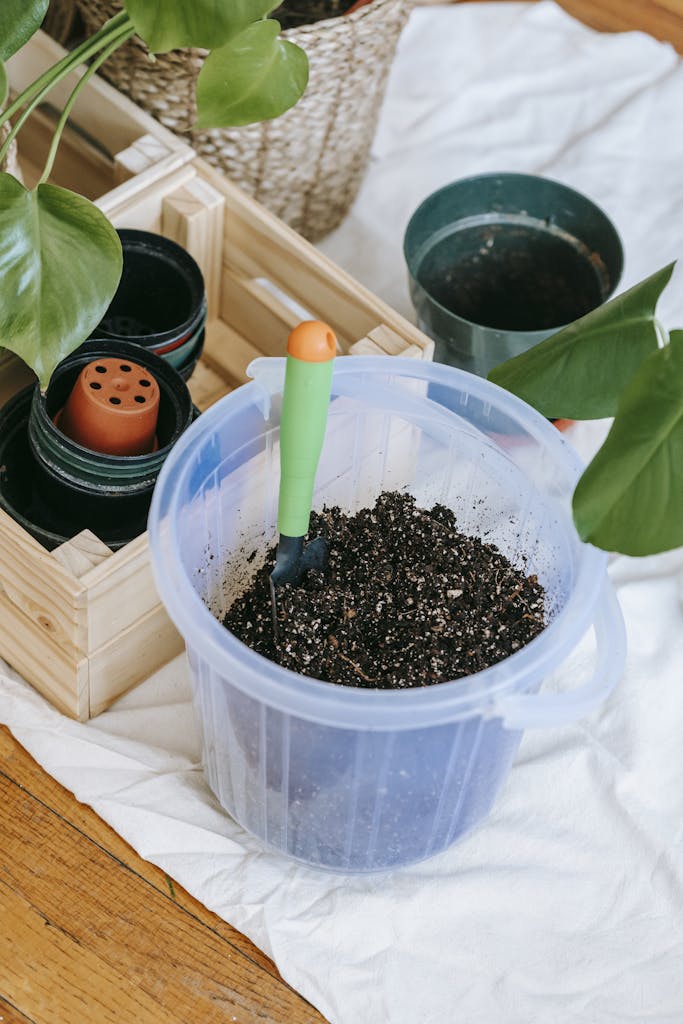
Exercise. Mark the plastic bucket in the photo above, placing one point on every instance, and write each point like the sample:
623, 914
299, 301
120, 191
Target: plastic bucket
498, 262
367, 780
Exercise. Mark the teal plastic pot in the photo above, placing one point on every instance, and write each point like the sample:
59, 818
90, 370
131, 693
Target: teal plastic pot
498, 262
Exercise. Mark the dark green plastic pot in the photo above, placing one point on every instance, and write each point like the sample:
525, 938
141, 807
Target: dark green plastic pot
498, 262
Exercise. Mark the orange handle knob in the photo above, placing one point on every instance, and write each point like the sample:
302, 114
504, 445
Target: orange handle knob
313, 342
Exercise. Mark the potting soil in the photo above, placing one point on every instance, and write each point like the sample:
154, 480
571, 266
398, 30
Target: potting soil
406, 600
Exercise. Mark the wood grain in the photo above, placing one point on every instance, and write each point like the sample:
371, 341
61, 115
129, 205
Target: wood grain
126, 945
10, 1015
662, 19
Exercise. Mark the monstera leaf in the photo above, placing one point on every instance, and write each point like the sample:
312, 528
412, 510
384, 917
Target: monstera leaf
630, 498
254, 77
580, 372
205, 23
19, 19
60, 264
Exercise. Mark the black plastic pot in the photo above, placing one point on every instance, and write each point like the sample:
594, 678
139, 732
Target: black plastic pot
498, 262
20, 496
54, 487
160, 303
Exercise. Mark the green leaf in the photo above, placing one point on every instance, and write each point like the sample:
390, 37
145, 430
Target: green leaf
630, 498
166, 25
19, 19
4, 85
60, 264
580, 372
254, 77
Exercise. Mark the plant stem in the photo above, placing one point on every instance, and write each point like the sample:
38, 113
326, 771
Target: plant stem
662, 333
35, 93
52, 74
123, 35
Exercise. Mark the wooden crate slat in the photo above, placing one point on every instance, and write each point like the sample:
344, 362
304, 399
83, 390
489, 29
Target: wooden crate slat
54, 671
256, 314
56, 621
82, 553
366, 347
138, 203
392, 344
120, 592
207, 386
102, 111
193, 217
131, 657
142, 154
78, 158
228, 352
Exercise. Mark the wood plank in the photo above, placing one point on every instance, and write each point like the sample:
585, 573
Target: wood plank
131, 656
60, 677
142, 154
21, 768
34, 951
79, 160
82, 553
10, 1015
366, 347
49, 595
138, 203
207, 386
228, 352
120, 592
392, 344
256, 314
153, 962
662, 19
193, 217
123, 123
626, 15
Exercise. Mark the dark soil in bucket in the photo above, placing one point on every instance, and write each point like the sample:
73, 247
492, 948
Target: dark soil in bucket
406, 600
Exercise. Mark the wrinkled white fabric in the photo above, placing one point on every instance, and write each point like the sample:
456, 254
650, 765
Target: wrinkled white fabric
566, 905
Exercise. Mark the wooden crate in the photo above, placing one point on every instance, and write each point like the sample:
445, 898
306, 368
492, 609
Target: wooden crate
110, 147
83, 624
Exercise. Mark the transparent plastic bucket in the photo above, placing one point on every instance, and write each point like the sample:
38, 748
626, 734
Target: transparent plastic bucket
367, 780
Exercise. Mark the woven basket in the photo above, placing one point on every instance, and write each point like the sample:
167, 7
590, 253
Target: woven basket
60, 19
307, 165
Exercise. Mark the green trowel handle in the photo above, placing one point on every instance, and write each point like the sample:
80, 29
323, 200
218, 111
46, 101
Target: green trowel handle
308, 381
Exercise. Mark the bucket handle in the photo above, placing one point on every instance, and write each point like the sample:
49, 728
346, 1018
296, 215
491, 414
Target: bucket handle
538, 710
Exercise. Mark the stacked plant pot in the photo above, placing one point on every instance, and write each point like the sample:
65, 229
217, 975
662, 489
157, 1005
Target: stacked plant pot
87, 453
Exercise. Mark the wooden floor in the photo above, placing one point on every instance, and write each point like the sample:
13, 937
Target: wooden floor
662, 19
92, 934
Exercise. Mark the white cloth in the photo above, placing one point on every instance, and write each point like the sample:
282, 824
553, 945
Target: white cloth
566, 905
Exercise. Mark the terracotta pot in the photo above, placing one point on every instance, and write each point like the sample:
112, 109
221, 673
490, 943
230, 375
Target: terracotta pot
113, 408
